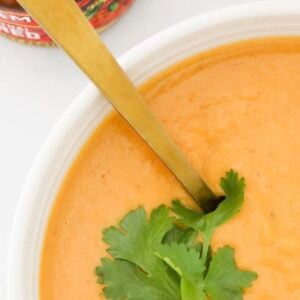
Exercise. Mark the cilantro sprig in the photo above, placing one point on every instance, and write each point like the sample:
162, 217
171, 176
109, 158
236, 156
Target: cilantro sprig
162, 257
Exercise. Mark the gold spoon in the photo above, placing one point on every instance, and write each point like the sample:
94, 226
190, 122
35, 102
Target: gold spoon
70, 29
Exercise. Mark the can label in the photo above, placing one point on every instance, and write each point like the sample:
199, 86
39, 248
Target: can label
17, 24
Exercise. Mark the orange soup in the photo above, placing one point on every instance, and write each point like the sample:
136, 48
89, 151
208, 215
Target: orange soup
236, 107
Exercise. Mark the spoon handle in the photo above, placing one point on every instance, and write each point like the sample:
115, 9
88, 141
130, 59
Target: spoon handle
70, 29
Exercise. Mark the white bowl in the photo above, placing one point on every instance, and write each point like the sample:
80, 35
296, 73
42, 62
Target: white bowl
89, 109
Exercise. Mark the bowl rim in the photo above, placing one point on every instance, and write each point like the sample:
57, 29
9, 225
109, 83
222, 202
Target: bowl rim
127, 60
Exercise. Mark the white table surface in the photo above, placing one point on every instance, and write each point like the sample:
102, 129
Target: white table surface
37, 85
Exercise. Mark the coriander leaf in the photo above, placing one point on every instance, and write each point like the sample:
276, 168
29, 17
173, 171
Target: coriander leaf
136, 240
125, 280
188, 216
186, 236
162, 258
186, 262
180, 236
233, 187
224, 281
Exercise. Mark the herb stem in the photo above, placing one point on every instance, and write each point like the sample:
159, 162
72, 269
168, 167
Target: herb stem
206, 242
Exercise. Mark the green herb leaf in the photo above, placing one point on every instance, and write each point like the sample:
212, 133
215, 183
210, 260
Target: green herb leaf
179, 235
186, 262
125, 280
136, 242
233, 187
162, 258
224, 281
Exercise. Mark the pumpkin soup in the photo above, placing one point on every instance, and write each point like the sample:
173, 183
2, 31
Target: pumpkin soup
237, 107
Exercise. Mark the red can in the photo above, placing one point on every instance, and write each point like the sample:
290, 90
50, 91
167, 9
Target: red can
18, 24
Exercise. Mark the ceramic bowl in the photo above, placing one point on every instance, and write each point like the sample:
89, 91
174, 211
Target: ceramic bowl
90, 108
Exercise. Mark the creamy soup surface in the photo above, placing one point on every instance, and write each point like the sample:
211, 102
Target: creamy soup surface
234, 107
